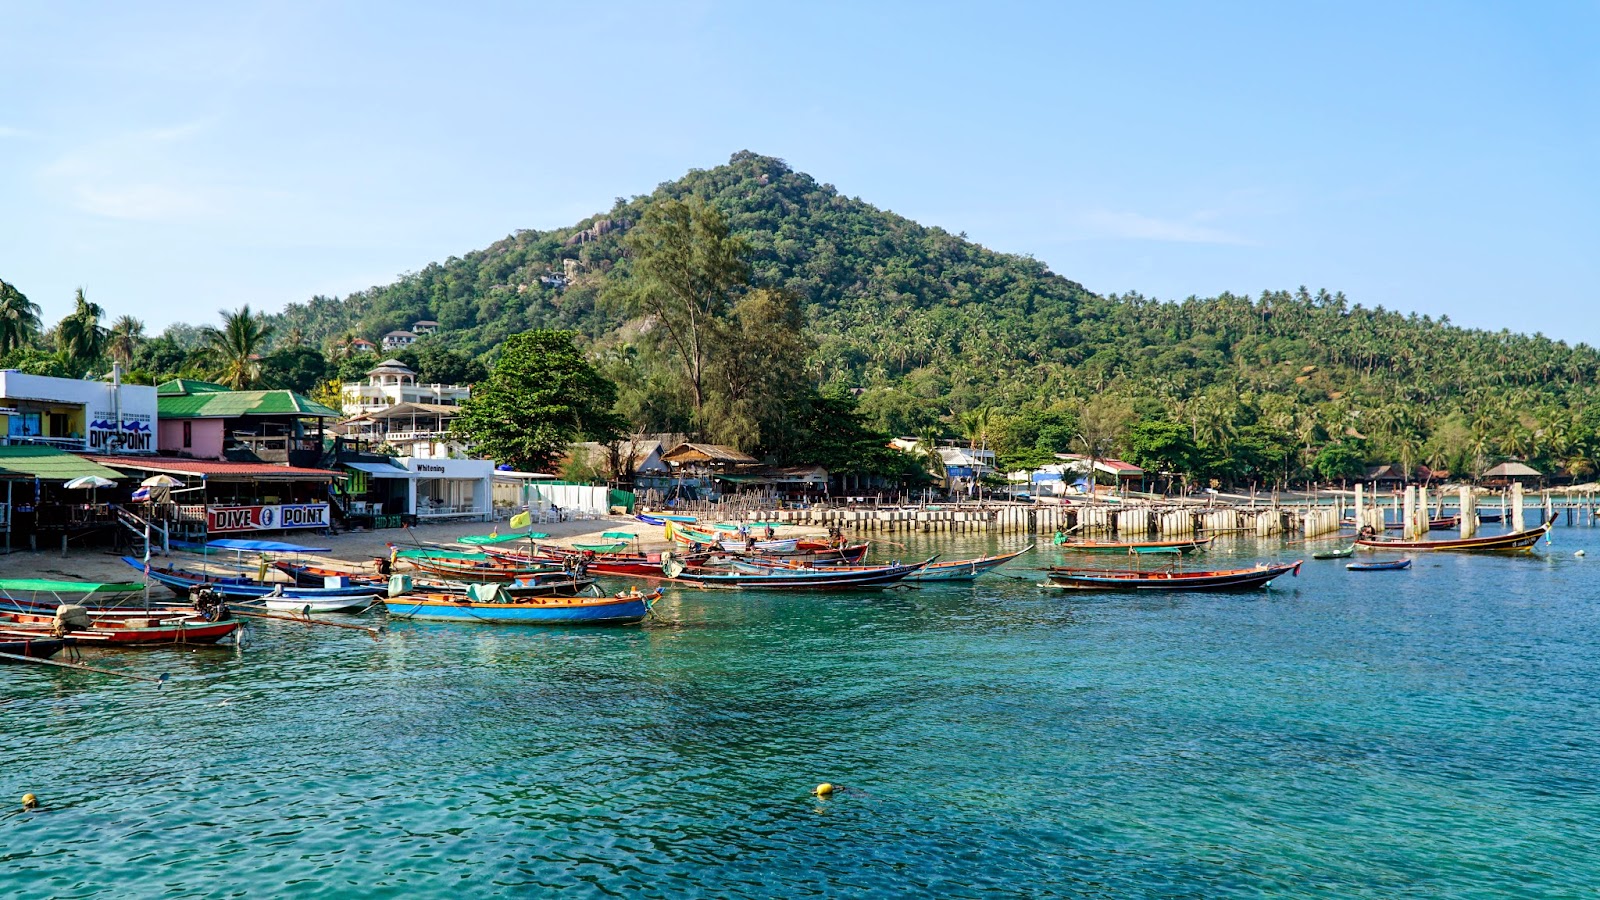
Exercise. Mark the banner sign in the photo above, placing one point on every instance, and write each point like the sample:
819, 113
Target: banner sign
266, 518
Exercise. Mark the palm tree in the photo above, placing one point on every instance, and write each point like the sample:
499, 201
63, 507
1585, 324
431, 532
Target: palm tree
19, 318
928, 452
236, 347
79, 335
127, 333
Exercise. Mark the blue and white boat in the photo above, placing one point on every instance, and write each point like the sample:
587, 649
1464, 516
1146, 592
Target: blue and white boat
236, 588
491, 608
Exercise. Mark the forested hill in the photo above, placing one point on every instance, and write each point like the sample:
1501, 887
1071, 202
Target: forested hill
931, 325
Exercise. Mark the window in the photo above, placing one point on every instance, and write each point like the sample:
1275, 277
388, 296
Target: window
58, 424
188, 435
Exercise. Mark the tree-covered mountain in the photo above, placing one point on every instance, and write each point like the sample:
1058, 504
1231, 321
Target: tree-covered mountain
928, 327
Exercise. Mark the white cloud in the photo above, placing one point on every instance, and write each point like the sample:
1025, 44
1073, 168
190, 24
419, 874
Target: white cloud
146, 175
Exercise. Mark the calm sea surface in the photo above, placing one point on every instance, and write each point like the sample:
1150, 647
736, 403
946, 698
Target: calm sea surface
1430, 733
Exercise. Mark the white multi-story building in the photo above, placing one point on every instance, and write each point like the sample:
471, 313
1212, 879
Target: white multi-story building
393, 383
394, 340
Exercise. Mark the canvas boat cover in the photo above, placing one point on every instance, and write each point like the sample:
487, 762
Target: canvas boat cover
250, 546
46, 586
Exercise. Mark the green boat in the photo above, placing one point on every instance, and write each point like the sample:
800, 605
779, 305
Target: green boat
1132, 547
602, 548
1346, 553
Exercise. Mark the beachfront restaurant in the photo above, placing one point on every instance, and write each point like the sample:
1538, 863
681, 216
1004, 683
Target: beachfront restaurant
38, 508
216, 498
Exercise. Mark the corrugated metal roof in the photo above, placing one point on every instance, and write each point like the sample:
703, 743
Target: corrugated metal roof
49, 464
229, 404
211, 468
180, 386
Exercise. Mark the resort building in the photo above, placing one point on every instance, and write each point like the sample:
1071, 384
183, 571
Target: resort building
362, 345
201, 420
394, 340
392, 383
73, 414
420, 430
426, 326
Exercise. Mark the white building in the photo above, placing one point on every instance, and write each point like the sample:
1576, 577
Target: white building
394, 340
451, 488
393, 383
424, 326
71, 414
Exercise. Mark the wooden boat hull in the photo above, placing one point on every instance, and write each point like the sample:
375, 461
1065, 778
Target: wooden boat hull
963, 569
809, 580
31, 646
1515, 542
1346, 553
1132, 580
1132, 547
320, 599
316, 576
1393, 566
480, 572
522, 587
124, 629
543, 611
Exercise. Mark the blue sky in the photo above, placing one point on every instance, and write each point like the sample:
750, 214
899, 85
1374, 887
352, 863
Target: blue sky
176, 159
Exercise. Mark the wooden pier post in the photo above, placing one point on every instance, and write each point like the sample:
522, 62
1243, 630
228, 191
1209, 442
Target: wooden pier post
1469, 511
1519, 519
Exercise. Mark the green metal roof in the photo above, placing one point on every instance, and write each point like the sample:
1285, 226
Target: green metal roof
49, 464
179, 386
230, 404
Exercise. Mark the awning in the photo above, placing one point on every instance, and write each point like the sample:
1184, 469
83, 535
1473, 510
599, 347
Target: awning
379, 470
50, 464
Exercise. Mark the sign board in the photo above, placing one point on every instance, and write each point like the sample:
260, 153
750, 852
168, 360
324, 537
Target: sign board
221, 519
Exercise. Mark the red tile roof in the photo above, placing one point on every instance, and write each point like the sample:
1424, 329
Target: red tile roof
211, 468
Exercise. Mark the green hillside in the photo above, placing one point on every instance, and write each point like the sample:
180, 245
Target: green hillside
930, 328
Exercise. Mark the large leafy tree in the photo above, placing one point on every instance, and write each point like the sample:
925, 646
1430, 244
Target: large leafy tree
756, 378
79, 335
19, 319
235, 349
542, 395
686, 270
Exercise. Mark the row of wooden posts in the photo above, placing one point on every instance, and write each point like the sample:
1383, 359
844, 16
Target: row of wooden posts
1134, 521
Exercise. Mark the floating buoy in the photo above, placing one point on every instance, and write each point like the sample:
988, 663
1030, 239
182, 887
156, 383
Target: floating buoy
29, 801
1579, 553
823, 790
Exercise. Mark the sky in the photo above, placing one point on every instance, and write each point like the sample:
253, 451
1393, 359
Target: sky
179, 159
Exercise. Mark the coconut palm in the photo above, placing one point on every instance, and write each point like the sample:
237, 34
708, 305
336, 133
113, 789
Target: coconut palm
19, 318
79, 335
235, 348
126, 334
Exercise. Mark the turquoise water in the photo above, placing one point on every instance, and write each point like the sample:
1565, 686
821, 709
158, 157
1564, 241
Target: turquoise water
1429, 733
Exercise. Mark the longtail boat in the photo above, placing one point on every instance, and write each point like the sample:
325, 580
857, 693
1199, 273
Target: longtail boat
553, 584
317, 576
1174, 580
1134, 547
273, 596
623, 609
662, 519
124, 628
954, 570
1385, 566
31, 645
829, 579
1515, 542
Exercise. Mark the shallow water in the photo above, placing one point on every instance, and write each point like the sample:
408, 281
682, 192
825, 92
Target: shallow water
1423, 733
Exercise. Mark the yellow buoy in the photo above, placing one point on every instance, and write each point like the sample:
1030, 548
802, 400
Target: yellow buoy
824, 790
29, 801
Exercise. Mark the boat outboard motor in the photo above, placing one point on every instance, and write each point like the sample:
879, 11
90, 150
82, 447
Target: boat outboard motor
209, 603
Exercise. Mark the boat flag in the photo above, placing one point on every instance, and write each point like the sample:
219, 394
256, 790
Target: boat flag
521, 520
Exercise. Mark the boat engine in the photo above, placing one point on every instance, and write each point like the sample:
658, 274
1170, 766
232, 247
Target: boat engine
209, 603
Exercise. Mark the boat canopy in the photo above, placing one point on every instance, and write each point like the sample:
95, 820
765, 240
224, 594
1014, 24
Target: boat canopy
46, 586
431, 553
499, 538
255, 546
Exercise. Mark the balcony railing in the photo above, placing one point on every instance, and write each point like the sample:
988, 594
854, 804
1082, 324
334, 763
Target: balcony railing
61, 443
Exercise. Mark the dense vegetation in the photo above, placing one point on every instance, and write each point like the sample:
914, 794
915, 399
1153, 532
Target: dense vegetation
927, 330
